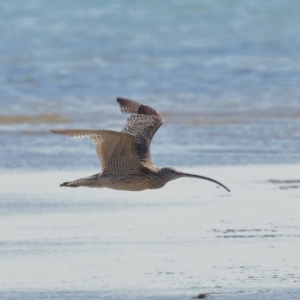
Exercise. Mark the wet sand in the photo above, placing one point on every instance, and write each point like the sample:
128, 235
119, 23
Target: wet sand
188, 238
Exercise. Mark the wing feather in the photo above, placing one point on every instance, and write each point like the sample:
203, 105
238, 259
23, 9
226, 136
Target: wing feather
143, 124
114, 149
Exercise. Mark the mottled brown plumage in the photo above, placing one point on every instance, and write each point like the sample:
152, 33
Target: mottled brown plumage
125, 156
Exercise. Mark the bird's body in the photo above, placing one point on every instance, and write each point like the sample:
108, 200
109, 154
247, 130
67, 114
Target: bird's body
125, 156
127, 182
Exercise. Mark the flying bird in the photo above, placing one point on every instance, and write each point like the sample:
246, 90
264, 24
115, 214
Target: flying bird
125, 156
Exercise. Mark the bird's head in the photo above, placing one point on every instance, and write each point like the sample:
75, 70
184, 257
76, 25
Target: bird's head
169, 174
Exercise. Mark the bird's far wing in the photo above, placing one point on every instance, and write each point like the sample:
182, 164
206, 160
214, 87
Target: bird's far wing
115, 149
143, 123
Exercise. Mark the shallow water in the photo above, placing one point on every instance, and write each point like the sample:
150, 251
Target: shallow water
188, 238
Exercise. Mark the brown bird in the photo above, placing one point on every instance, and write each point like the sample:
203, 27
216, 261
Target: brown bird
125, 156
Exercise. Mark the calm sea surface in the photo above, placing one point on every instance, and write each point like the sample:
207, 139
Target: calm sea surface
225, 76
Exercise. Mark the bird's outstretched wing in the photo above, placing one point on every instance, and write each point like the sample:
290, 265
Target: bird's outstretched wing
115, 149
143, 123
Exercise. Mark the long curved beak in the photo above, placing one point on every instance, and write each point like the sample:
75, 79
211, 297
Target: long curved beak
205, 178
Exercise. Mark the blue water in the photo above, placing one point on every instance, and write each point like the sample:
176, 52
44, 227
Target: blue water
224, 75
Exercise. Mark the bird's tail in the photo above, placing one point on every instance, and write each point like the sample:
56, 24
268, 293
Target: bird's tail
70, 184
86, 181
